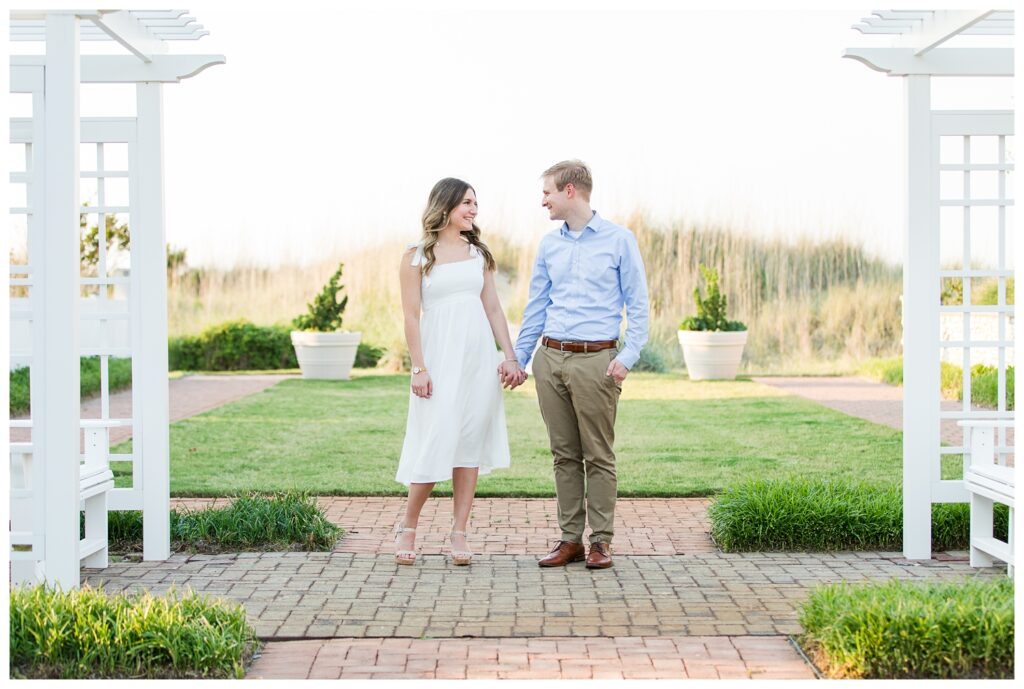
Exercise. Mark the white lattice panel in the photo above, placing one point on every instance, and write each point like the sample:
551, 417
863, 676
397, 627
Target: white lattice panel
975, 166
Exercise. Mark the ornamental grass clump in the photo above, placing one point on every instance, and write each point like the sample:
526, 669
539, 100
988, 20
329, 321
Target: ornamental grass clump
283, 521
88, 634
806, 515
816, 516
251, 522
710, 311
901, 629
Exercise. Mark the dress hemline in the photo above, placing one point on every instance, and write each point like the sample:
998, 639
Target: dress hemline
483, 472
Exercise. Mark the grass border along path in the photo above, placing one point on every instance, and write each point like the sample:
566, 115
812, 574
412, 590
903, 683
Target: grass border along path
907, 629
86, 634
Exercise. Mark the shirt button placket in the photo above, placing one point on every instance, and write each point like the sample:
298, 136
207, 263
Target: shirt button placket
576, 274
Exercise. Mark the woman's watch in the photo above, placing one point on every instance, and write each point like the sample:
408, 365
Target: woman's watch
417, 369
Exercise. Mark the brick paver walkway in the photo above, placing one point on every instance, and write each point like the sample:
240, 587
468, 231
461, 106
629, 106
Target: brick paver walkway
662, 657
297, 595
672, 607
344, 597
668, 609
510, 526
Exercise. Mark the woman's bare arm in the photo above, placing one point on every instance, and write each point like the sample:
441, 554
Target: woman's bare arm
495, 315
409, 278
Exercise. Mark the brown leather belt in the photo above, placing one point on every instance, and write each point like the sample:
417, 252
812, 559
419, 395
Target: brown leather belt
578, 347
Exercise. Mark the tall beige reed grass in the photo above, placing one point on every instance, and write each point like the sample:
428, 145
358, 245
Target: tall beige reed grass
809, 306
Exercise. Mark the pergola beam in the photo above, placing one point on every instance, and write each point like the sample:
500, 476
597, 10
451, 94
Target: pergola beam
942, 62
123, 69
938, 28
926, 29
129, 32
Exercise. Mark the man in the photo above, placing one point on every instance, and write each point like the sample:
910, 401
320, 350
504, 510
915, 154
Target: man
586, 270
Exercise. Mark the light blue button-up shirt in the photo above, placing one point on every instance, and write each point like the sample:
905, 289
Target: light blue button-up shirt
579, 286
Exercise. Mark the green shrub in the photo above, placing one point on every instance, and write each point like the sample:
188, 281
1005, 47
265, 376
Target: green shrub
86, 633
242, 346
987, 292
233, 346
368, 355
289, 521
118, 370
984, 380
985, 385
900, 629
652, 359
950, 380
711, 312
19, 390
771, 515
325, 311
186, 353
889, 371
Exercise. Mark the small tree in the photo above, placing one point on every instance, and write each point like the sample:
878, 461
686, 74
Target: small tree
710, 311
89, 241
324, 315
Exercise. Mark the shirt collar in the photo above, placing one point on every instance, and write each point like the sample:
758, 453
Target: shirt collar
596, 223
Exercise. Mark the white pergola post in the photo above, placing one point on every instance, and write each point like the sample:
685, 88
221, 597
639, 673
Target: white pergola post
128, 318
149, 366
920, 323
916, 56
56, 430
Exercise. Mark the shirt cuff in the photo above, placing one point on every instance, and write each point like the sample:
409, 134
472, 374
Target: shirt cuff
627, 359
523, 357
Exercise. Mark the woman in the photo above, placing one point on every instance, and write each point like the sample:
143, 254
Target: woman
456, 427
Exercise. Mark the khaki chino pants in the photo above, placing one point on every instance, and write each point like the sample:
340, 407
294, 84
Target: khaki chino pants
578, 402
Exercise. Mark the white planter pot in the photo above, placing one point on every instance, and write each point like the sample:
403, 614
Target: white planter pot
325, 356
712, 355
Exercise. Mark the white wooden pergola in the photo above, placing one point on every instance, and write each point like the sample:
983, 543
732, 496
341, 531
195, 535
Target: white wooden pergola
127, 314
956, 167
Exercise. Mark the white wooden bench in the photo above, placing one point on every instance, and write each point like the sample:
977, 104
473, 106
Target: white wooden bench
988, 480
95, 480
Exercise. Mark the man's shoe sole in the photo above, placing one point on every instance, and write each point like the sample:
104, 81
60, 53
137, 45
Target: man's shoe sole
590, 566
581, 558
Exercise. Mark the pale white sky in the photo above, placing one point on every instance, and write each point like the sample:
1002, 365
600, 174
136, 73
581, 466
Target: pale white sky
327, 127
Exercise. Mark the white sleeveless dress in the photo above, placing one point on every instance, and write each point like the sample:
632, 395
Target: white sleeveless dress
463, 422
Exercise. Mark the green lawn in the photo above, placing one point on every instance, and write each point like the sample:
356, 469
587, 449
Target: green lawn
674, 438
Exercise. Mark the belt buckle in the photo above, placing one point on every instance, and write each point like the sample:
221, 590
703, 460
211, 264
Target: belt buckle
561, 346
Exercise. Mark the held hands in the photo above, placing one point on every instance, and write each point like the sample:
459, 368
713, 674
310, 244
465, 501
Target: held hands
511, 375
422, 386
617, 371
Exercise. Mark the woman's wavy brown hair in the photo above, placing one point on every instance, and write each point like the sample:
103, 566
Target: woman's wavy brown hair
444, 198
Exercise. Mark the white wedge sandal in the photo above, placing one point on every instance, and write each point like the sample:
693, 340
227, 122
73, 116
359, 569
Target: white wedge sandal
460, 557
403, 557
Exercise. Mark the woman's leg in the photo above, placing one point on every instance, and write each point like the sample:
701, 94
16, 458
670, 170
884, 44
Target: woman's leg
463, 492
418, 494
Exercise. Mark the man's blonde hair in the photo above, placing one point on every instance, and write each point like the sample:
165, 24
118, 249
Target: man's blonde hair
573, 172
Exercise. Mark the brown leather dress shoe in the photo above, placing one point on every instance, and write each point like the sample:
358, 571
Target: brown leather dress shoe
563, 553
600, 556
